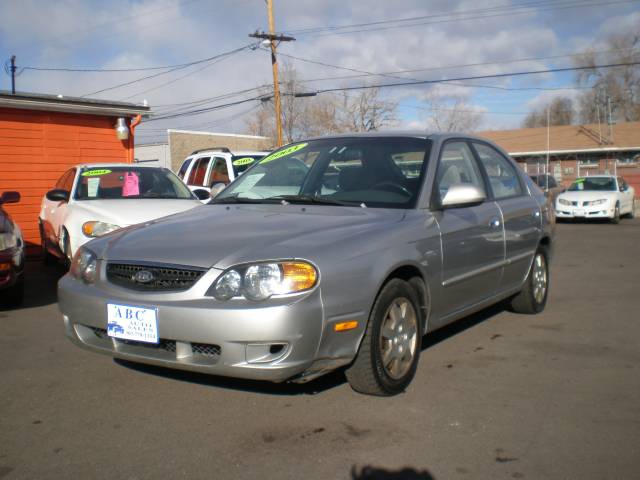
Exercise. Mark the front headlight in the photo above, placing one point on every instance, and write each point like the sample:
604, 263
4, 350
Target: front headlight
97, 229
8, 240
262, 280
84, 265
562, 201
596, 202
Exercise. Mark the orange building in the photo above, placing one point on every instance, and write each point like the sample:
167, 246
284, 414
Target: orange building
41, 136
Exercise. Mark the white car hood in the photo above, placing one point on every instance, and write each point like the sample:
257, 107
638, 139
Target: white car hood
586, 195
125, 212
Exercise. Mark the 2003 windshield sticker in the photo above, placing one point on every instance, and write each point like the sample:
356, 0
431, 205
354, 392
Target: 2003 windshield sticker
243, 161
284, 153
95, 173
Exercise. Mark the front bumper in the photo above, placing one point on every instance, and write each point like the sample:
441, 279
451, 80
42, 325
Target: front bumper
273, 340
597, 211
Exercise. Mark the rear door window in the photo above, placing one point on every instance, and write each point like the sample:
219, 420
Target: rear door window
198, 172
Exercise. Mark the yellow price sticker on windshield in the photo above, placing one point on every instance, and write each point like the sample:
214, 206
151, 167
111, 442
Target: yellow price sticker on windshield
283, 153
243, 161
95, 173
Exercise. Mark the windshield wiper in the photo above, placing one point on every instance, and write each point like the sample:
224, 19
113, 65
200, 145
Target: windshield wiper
238, 200
315, 200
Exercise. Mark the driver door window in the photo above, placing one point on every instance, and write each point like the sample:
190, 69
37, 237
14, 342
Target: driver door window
219, 172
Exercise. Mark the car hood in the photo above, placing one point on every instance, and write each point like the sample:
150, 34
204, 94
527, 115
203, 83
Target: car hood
224, 235
586, 195
127, 212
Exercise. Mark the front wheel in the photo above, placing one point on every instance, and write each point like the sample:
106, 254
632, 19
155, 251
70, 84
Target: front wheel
533, 296
390, 350
616, 215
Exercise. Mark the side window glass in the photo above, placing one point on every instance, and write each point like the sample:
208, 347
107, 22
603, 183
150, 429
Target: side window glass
68, 180
196, 177
183, 169
552, 182
61, 180
219, 172
502, 174
457, 166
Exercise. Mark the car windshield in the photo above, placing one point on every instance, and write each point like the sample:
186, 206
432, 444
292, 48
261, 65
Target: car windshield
383, 172
593, 183
242, 162
101, 183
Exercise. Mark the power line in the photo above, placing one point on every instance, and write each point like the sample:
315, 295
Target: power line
180, 67
333, 31
400, 84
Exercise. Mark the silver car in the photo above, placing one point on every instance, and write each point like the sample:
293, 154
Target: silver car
333, 252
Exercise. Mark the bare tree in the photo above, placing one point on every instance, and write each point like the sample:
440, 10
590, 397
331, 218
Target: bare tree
322, 114
366, 111
452, 114
560, 112
616, 88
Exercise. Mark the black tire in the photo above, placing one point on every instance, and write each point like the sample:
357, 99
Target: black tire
368, 374
616, 215
66, 250
527, 302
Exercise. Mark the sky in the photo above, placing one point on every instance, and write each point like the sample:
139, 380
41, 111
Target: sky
436, 39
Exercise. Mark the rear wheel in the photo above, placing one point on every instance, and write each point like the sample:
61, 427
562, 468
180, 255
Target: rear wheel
390, 350
533, 296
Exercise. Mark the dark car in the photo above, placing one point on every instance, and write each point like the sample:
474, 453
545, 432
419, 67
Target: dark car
11, 255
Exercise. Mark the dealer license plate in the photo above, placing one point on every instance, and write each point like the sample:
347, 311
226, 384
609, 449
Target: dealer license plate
132, 323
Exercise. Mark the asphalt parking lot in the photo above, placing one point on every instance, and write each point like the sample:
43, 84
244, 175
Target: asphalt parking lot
497, 395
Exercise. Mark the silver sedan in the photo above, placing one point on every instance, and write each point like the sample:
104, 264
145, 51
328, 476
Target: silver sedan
334, 252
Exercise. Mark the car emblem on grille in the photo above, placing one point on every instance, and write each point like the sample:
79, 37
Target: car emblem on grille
143, 276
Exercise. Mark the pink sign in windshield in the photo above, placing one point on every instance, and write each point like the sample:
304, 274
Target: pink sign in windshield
130, 187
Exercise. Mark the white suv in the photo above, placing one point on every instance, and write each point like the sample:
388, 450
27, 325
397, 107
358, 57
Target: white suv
212, 169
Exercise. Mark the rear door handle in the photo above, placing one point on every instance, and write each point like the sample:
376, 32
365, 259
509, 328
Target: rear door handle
494, 223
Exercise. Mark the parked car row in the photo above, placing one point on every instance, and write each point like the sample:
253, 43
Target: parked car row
333, 252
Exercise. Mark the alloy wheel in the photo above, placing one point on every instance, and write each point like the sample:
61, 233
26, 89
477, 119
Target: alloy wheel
539, 278
398, 338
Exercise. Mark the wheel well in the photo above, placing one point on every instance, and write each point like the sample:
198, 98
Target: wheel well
414, 277
545, 242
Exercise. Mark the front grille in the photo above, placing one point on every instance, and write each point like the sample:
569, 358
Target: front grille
205, 349
163, 278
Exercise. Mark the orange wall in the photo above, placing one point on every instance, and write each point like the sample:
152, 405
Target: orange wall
37, 147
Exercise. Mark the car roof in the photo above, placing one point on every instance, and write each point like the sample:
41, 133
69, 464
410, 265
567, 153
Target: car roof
115, 164
405, 133
234, 152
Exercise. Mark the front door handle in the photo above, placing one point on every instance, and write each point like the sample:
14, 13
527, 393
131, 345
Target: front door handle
495, 223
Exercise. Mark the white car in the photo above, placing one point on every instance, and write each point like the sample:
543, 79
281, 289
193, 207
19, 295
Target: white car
212, 169
94, 199
598, 196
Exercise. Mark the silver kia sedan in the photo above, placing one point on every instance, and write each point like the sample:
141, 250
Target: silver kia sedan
339, 251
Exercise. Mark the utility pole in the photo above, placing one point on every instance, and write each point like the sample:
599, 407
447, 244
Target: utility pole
274, 40
13, 74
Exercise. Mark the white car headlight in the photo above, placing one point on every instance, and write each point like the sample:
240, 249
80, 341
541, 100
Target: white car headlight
600, 201
84, 265
562, 201
262, 280
97, 229
8, 240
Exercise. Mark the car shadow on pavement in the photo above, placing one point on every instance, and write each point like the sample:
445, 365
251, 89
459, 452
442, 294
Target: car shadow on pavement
319, 385
375, 473
41, 285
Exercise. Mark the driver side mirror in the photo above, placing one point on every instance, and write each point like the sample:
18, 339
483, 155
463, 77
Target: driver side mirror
58, 195
462, 195
9, 197
202, 194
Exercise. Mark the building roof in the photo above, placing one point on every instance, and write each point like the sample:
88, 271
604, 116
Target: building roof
59, 103
567, 139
